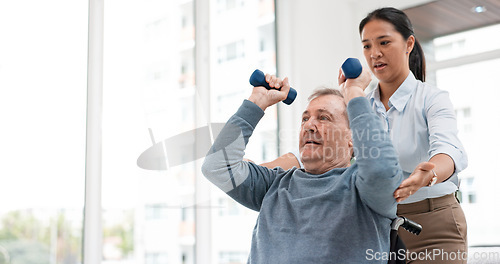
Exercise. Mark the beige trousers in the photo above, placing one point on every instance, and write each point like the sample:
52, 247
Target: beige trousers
444, 231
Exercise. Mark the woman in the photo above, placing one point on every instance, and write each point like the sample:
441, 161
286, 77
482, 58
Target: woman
423, 128
422, 124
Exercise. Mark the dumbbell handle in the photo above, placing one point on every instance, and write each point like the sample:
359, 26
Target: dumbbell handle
351, 68
259, 79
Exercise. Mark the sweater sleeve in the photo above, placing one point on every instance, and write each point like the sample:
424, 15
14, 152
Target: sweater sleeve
379, 173
224, 166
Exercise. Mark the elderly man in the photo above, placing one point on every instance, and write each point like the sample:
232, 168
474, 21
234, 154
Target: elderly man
330, 211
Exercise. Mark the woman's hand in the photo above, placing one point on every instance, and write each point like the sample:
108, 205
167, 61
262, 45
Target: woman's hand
418, 179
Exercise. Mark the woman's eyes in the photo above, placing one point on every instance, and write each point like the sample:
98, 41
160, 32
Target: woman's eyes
383, 43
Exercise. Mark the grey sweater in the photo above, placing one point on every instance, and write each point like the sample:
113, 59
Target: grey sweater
341, 216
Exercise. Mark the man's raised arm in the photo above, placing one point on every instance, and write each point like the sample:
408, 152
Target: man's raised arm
246, 182
379, 173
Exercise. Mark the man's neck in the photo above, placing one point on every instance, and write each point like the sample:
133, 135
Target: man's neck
320, 167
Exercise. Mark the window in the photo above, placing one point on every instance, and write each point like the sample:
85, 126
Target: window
465, 121
43, 89
240, 50
468, 190
467, 43
156, 211
231, 51
229, 207
474, 91
149, 101
227, 5
233, 257
156, 258
153, 106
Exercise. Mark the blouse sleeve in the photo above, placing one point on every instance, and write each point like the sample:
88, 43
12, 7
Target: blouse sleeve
443, 132
295, 152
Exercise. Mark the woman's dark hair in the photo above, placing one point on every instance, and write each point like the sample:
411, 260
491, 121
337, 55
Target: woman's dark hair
402, 24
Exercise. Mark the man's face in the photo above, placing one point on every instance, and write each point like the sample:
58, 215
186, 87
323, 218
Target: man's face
325, 137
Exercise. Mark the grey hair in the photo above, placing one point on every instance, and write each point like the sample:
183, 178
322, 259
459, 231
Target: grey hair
323, 90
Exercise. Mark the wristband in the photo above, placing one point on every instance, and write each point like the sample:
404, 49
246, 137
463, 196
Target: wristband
433, 179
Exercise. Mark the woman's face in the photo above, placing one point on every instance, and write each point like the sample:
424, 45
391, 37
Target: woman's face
386, 51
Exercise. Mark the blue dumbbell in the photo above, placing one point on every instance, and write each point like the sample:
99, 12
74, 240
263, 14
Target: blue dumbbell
258, 78
351, 68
